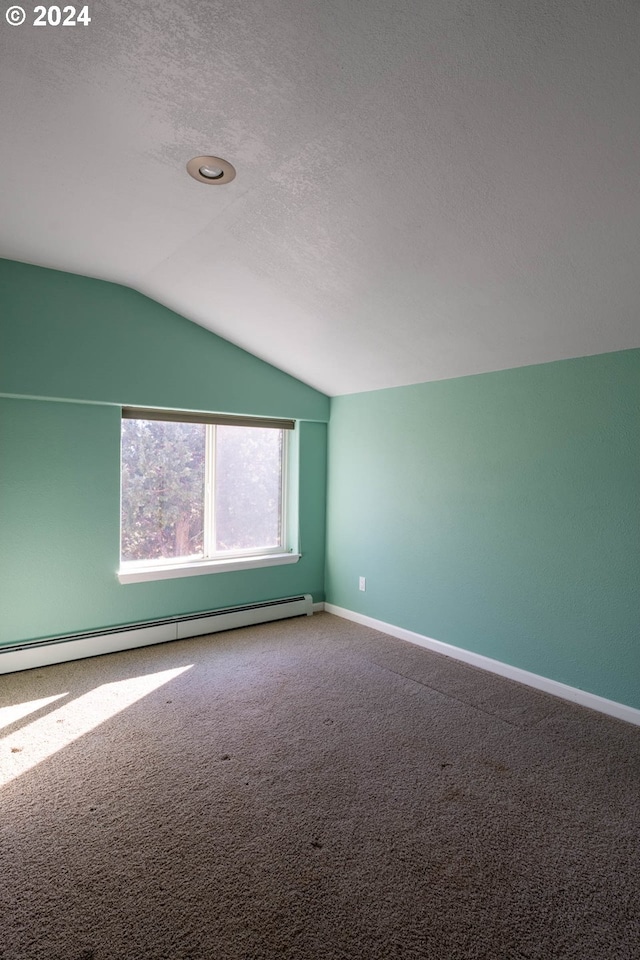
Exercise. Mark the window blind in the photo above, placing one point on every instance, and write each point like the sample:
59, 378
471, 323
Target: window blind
220, 419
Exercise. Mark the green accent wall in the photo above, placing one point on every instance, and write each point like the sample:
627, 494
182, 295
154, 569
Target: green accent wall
65, 336
86, 347
499, 513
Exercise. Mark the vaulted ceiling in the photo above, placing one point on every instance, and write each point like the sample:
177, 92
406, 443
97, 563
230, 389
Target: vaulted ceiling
425, 188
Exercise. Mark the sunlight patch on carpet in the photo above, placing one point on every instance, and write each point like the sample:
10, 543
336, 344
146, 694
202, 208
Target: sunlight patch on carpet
45, 736
16, 711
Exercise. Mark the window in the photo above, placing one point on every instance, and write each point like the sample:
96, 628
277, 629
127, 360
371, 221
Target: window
201, 493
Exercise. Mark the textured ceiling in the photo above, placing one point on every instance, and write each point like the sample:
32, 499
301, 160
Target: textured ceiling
425, 188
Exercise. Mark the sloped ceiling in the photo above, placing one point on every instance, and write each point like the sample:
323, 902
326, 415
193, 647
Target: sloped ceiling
425, 188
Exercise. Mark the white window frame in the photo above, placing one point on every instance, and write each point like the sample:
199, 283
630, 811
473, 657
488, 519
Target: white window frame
137, 571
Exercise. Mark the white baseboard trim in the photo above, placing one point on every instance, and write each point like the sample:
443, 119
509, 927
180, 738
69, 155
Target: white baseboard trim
619, 710
318, 607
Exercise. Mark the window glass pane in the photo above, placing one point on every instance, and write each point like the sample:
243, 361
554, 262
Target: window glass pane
248, 488
163, 467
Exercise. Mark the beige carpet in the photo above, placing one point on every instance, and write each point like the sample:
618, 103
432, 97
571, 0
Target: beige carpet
310, 789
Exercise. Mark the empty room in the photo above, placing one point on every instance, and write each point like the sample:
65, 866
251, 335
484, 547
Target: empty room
320, 480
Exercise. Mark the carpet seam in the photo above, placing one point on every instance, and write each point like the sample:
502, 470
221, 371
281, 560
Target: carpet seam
448, 696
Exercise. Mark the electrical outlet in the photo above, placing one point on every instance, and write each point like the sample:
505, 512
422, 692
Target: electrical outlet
362, 583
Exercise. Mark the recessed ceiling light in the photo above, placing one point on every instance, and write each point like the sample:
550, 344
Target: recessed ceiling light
211, 173
211, 170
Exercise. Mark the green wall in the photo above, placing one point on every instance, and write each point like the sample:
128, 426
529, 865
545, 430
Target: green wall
96, 345
499, 513
65, 336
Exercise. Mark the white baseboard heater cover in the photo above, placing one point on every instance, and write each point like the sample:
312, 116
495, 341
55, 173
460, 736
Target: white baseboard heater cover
39, 653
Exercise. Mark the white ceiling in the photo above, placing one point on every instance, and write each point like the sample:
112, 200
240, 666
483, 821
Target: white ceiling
425, 188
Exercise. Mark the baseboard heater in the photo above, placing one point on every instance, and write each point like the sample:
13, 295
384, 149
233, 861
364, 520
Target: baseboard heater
77, 646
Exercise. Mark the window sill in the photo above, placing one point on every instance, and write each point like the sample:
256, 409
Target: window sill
196, 568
